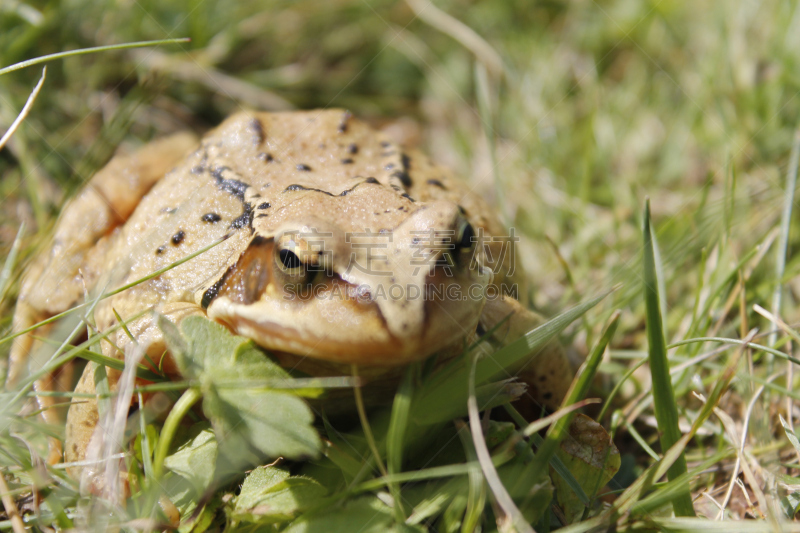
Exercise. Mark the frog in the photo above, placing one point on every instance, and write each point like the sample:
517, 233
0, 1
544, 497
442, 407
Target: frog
315, 235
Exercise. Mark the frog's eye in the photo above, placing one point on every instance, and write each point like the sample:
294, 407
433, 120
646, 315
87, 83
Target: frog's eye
290, 269
465, 238
462, 246
289, 263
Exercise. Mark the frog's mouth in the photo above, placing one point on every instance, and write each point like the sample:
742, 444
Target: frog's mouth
341, 322
340, 332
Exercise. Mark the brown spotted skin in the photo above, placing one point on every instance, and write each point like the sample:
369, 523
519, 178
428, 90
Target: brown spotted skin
358, 211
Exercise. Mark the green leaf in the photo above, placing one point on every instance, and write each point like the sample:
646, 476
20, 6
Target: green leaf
790, 503
790, 434
270, 495
365, 515
431, 499
249, 422
591, 457
274, 423
202, 520
210, 345
532, 495
497, 432
195, 460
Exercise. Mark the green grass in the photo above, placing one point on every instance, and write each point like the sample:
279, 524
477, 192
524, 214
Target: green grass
566, 116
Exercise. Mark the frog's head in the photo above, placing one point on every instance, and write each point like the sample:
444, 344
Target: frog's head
321, 287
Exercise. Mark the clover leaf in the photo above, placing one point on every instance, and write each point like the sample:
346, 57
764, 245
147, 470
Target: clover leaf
251, 402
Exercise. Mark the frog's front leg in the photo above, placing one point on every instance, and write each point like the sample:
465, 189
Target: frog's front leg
61, 275
84, 429
547, 372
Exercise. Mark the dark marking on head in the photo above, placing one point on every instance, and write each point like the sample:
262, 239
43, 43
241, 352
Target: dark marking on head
255, 126
160, 249
403, 176
211, 218
265, 157
462, 210
406, 160
213, 291
245, 219
385, 144
407, 197
256, 195
265, 205
298, 187
347, 161
231, 186
178, 238
303, 167
437, 183
547, 395
346, 116
352, 149
351, 189
262, 215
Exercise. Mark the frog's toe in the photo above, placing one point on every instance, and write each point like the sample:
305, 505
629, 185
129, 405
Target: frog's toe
548, 375
547, 372
82, 420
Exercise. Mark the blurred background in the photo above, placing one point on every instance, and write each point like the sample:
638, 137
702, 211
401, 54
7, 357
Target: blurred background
565, 114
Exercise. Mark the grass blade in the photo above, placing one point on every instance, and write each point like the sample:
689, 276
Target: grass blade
476, 495
783, 239
394, 439
24, 112
490, 474
10, 262
81, 51
666, 410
